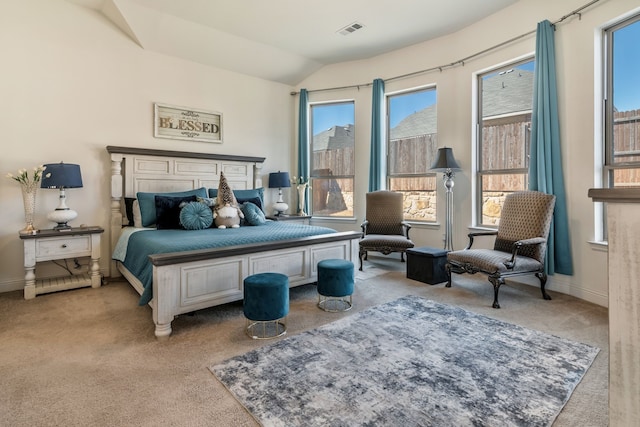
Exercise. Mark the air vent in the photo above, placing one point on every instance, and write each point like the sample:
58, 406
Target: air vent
351, 28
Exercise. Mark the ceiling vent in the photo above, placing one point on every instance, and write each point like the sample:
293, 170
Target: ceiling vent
351, 28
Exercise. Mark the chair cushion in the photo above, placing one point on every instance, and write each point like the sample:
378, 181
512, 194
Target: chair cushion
394, 242
490, 261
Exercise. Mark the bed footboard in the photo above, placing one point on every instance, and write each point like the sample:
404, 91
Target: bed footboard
188, 281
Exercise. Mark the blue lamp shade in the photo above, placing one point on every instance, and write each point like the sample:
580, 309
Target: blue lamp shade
279, 180
61, 175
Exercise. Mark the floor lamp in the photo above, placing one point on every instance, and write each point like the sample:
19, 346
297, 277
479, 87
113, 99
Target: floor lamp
446, 163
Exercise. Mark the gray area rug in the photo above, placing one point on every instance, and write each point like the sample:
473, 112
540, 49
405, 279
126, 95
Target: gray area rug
410, 362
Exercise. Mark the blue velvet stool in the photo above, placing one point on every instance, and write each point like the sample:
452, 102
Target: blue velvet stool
266, 305
335, 284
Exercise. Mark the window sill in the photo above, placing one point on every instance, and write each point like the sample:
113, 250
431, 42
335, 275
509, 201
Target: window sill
601, 246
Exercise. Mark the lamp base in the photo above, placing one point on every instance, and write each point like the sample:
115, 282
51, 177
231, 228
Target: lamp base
280, 208
62, 216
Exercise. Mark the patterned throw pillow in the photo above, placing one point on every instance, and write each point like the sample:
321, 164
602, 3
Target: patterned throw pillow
253, 214
196, 216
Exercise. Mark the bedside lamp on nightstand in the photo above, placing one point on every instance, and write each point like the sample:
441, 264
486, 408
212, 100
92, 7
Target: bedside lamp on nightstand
62, 176
279, 180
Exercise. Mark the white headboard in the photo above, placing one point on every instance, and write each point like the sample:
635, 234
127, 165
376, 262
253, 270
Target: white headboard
140, 169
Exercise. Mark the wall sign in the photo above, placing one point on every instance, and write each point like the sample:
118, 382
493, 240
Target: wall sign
186, 123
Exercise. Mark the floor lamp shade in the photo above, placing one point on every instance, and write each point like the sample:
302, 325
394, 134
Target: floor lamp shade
445, 162
62, 176
279, 180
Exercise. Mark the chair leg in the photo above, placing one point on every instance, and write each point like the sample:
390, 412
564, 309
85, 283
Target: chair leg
542, 276
360, 253
447, 268
402, 256
496, 282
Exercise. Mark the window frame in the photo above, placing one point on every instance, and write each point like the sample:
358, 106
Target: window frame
387, 155
477, 149
610, 166
314, 177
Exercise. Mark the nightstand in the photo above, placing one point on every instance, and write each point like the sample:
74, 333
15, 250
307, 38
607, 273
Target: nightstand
49, 245
305, 219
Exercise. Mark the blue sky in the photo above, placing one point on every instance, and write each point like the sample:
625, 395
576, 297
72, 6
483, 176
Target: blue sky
626, 91
626, 68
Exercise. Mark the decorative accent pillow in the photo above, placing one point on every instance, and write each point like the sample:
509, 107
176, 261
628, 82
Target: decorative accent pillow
168, 211
148, 205
137, 216
196, 216
128, 209
253, 215
245, 195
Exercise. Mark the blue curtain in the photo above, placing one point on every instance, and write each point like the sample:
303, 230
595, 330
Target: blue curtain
377, 134
303, 141
545, 168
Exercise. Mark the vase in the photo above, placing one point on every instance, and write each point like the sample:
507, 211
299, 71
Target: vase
29, 200
302, 188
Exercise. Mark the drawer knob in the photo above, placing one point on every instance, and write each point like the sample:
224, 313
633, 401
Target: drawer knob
64, 245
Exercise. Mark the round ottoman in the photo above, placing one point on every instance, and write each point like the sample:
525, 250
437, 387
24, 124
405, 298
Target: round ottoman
335, 284
266, 305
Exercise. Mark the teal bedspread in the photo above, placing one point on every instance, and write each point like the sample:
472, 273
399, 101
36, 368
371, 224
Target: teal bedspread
146, 242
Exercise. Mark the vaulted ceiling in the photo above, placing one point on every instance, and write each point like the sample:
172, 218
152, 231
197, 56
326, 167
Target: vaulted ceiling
286, 40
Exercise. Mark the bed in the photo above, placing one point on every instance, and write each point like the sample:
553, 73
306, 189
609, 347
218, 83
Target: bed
197, 275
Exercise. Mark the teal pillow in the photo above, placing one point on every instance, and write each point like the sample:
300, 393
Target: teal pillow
253, 215
147, 203
196, 216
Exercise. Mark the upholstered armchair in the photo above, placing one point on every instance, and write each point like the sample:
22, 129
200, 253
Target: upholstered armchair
384, 229
520, 243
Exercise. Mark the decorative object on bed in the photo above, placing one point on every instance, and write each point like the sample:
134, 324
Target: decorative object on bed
181, 271
253, 214
196, 216
187, 123
279, 180
226, 213
255, 196
62, 176
147, 203
29, 187
168, 211
409, 362
335, 284
446, 163
266, 305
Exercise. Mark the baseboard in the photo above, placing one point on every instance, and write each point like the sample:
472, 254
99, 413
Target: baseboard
564, 285
11, 285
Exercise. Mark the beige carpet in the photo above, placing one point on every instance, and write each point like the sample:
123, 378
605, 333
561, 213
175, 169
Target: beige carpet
89, 356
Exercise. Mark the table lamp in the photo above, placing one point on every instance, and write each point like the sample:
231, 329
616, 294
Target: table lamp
279, 180
62, 176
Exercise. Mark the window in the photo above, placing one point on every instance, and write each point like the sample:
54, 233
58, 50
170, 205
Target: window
332, 159
622, 104
412, 132
505, 98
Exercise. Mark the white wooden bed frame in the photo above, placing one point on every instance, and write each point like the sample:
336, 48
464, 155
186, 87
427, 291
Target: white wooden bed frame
187, 281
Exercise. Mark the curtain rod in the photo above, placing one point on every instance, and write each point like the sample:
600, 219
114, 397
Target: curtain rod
463, 60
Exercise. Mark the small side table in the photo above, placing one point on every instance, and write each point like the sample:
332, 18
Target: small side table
49, 245
305, 219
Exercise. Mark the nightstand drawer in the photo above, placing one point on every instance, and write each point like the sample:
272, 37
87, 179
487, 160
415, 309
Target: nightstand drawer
63, 247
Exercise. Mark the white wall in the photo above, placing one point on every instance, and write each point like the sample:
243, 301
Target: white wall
72, 83
575, 68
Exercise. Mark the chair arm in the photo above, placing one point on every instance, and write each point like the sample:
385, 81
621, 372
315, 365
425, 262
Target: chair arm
520, 243
364, 225
479, 233
407, 227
